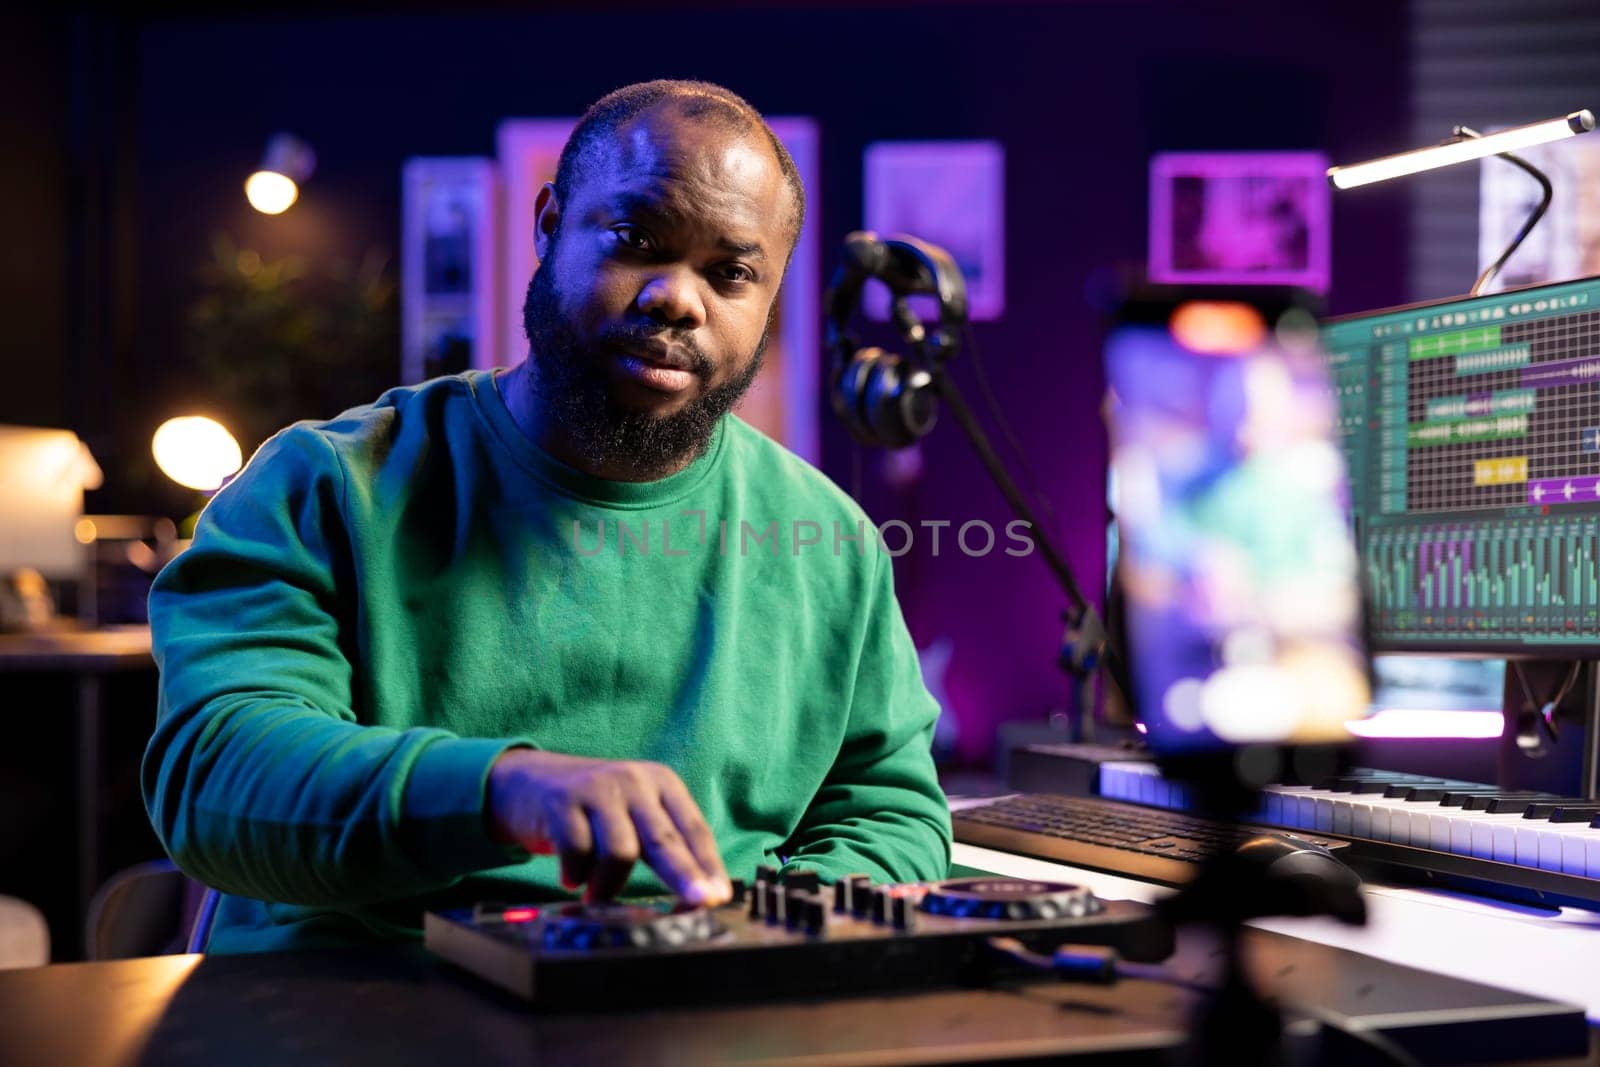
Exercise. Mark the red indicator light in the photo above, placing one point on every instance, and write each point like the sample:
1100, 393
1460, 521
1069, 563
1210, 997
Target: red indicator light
519, 915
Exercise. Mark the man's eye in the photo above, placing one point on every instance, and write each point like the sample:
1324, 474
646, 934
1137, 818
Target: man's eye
634, 238
738, 272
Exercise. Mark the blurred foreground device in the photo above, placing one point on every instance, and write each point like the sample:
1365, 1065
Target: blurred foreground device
1236, 563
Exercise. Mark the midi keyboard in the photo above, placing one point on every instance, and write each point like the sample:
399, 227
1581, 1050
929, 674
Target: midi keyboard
1526, 846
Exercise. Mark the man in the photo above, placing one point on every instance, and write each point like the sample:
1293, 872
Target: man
501, 636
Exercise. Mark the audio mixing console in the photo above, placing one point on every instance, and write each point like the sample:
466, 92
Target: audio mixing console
777, 938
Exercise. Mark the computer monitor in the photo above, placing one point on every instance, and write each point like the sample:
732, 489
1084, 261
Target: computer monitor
1472, 432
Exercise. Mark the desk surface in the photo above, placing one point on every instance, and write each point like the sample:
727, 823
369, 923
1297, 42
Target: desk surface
99, 651
1540, 953
399, 1006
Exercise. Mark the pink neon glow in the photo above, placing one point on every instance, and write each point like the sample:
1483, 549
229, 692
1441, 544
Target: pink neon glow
1425, 722
519, 915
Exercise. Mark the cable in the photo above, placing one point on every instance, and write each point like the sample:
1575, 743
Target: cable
1546, 711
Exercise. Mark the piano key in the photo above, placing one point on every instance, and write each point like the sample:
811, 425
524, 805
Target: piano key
1458, 797
1545, 809
1508, 805
1401, 789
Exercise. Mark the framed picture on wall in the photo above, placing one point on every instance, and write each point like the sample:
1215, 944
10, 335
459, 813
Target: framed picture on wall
449, 287
951, 193
1240, 218
528, 150
783, 399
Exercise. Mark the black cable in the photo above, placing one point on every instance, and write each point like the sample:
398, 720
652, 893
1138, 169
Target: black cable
1546, 711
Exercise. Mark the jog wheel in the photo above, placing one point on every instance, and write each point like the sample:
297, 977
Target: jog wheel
1009, 898
590, 926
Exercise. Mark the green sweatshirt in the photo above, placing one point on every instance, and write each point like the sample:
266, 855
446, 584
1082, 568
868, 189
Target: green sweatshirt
380, 605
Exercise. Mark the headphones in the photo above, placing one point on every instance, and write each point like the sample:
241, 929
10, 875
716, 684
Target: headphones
886, 399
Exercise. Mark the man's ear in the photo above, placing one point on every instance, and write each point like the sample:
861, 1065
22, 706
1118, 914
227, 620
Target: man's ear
546, 216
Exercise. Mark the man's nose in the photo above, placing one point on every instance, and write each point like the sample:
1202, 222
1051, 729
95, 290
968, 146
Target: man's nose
672, 297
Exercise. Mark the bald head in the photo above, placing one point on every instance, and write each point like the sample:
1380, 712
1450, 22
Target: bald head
611, 118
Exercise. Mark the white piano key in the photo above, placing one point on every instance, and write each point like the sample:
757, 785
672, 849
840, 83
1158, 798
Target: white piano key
1360, 820
1505, 840
1343, 815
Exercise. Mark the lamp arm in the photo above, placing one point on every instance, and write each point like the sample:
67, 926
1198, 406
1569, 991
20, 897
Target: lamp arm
1527, 226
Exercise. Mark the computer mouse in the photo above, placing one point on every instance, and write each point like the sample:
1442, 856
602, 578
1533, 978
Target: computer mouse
1286, 855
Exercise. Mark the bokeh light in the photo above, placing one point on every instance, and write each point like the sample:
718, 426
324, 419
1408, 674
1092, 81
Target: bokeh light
270, 193
197, 452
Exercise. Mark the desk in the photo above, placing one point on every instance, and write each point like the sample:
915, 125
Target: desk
1540, 953
90, 655
398, 1006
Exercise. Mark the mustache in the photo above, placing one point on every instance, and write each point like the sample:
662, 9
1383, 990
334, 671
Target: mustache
637, 338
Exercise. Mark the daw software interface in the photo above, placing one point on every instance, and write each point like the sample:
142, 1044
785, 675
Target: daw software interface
1472, 433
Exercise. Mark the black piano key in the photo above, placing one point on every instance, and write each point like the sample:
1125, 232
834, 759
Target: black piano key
1482, 803
1544, 809
1575, 813
1457, 798
1399, 789
1507, 805
1369, 782
1376, 785
1426, 791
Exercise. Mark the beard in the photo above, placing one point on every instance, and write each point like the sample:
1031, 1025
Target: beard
573, 390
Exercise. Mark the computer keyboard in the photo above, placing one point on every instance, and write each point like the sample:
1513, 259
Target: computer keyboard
1519, 845
1158, 846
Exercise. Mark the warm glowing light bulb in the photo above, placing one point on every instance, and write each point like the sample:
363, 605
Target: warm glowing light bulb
196, 451
1217, 327
270, 193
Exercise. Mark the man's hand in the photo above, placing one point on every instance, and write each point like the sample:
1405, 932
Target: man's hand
602, 816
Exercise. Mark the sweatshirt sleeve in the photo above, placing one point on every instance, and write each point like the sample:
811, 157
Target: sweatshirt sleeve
259, 779
881, 811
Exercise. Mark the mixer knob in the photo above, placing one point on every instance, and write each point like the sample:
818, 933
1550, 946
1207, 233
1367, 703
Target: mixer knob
903, 914
777, 904
802, 881
860, 894
1009, 898
815, 916
880, 904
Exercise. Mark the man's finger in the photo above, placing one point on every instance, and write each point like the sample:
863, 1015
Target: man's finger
616, 848
685, 814
569, 830
665, 850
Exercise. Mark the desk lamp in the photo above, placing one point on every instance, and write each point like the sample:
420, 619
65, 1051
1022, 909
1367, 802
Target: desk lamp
1463, 145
